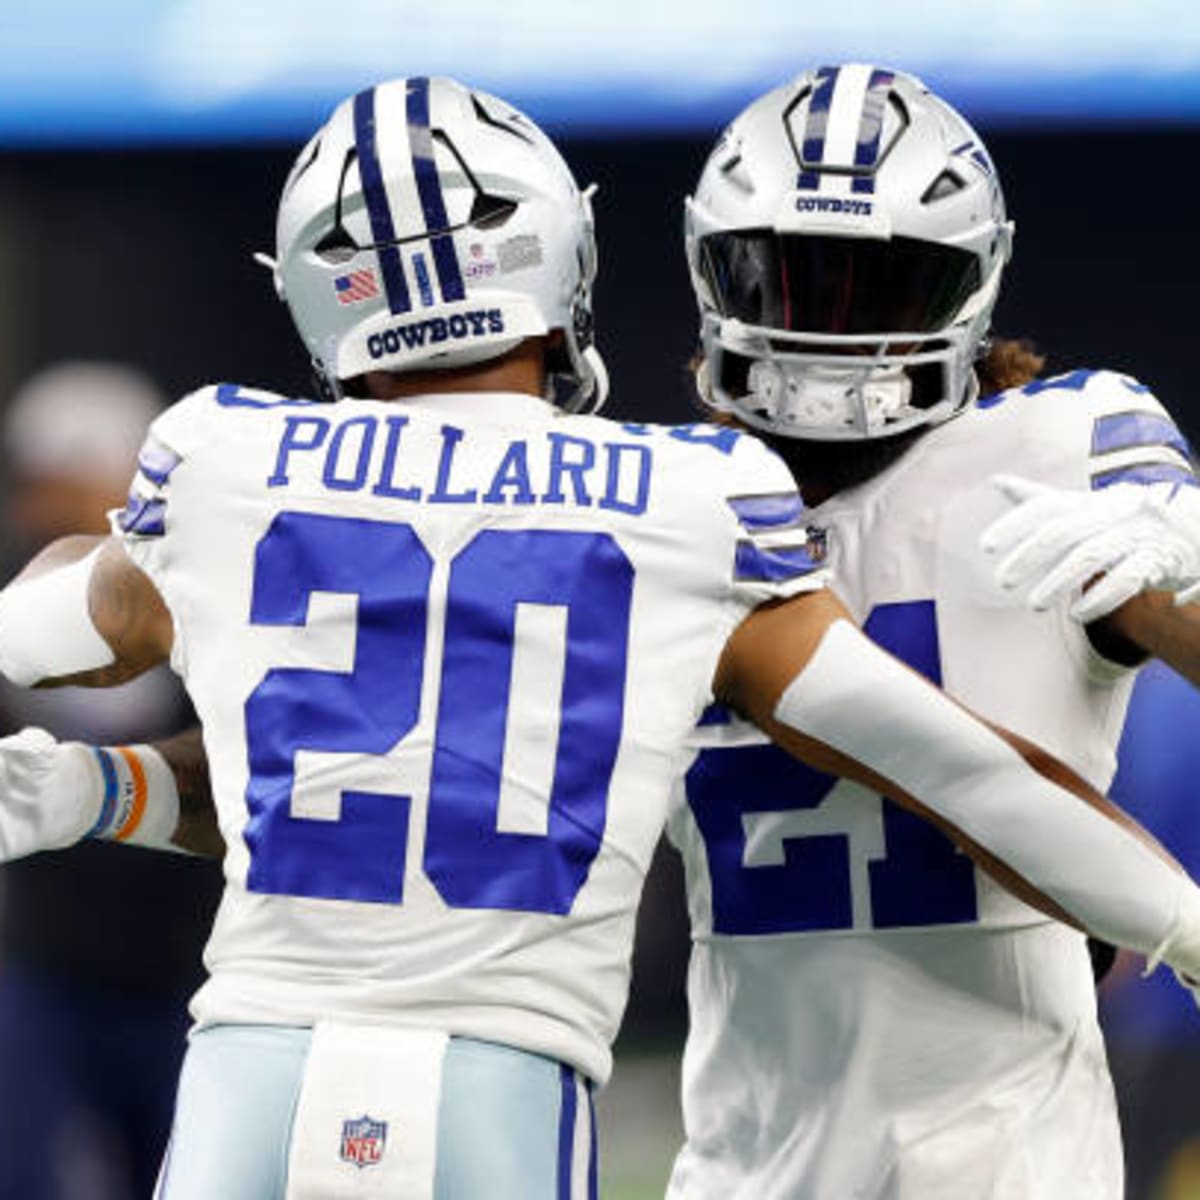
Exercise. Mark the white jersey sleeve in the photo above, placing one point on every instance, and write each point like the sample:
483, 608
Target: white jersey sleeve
175, 438
1090, 429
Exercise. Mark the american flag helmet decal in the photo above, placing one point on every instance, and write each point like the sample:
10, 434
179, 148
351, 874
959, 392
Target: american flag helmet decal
356, 286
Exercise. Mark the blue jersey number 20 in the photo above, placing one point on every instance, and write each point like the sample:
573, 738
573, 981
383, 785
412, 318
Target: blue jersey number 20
919, 878
361, 855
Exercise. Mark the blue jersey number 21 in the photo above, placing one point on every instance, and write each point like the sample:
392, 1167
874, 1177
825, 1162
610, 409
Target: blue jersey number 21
919, 879
472, 863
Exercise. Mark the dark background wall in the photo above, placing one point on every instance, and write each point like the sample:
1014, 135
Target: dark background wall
146, 256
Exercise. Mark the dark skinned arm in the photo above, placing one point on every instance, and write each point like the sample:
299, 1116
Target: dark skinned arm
768, 650
1152, 625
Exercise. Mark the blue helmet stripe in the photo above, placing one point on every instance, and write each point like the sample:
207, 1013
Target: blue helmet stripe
818, 115
870, 127
424, 286
429, 188
382, 230
812, 149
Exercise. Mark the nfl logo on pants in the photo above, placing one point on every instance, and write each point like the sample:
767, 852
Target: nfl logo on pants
363, 1140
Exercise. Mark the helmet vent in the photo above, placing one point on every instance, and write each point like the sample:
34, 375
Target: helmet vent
487, 119
337, 246
488, 211
946, 184
734, 170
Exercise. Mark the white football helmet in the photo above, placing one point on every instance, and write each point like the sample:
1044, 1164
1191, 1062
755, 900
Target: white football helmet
427, 225
846, 242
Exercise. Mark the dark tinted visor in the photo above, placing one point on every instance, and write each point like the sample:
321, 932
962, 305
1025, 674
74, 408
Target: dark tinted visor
836, 284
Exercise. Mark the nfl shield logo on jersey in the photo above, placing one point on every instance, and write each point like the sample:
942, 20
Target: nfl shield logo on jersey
363, 1141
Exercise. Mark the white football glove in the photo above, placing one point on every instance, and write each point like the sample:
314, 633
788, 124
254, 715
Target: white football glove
1122, 540
48, 793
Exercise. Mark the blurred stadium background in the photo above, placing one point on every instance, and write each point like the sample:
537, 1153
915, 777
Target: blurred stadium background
142, 146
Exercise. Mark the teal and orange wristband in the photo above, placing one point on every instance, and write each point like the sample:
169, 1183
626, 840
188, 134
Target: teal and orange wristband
139, 802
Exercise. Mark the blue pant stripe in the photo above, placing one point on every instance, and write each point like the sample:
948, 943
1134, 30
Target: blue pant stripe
593, 1157
566, 1131
383, 231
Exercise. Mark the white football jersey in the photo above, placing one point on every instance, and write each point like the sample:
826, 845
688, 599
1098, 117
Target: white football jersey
447, 654
872, 1017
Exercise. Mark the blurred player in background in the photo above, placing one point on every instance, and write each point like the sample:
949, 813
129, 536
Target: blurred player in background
91, 1024
870, 1016
447, 635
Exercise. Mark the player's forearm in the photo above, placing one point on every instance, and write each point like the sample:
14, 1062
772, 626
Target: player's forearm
1157, 626
54, 794
81, 613
1030, 822
196, 830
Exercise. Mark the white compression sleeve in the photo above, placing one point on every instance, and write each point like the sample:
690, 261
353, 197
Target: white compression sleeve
871, 708
46, 629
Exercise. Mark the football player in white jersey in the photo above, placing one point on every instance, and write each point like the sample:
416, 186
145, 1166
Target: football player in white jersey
870, 1016
448, 635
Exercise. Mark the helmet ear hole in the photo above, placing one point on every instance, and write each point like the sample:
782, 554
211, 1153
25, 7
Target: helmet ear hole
946, 184
490, 212
336, 247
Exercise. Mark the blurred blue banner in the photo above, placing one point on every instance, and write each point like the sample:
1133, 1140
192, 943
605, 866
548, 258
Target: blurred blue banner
1157, 783
74, 71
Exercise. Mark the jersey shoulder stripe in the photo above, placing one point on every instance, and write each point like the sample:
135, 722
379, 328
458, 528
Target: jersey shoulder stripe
1092, 428
234, 395
773, 510
756, 563
172, 437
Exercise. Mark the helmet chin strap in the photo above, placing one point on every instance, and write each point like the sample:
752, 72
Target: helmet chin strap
600, 374
862, 398
328, 388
